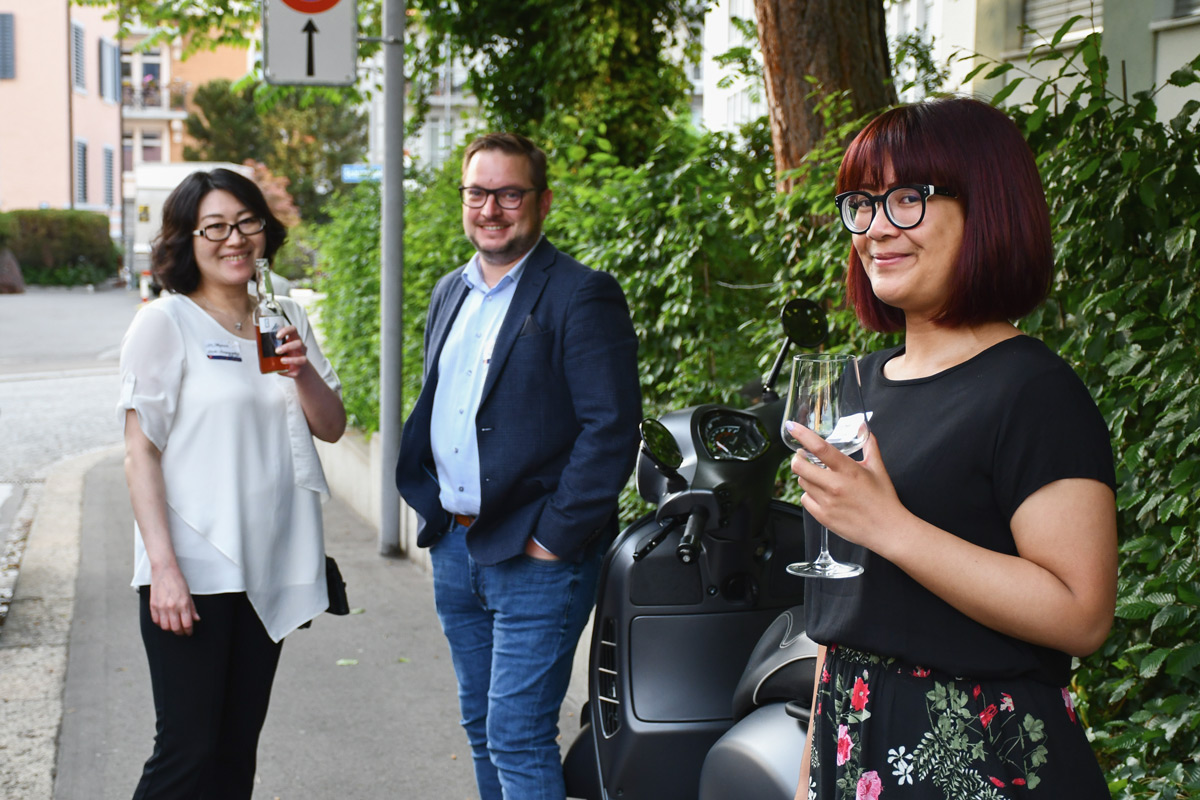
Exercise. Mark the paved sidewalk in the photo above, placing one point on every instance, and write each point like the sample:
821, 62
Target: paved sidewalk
384, 726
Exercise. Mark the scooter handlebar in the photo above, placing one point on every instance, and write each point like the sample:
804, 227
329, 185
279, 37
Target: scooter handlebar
689, 544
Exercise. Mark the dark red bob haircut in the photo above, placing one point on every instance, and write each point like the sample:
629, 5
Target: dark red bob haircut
1007, 258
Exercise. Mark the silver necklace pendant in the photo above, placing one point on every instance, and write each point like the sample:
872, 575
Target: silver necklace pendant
237, 325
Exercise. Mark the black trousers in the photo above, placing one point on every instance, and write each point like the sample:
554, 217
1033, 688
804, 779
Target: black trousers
211, 692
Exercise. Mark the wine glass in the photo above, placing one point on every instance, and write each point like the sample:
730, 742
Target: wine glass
825, 396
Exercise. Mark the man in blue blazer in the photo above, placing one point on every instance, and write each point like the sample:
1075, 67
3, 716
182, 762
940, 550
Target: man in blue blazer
523, 435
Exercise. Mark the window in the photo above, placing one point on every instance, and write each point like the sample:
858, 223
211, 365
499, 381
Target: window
81, 187
151, 147
109, 177
77, 73
1047, 16
1183, 8
127, 152
110, 72
8, 56
743, 9
151, 78
127, 78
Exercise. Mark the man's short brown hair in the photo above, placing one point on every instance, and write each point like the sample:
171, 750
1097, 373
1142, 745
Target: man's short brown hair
513, 144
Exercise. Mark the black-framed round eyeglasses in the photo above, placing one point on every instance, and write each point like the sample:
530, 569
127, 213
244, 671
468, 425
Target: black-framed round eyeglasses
220, 231
508, 197
904, 206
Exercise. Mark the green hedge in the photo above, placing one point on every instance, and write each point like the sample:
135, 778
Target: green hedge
61, 247
348, 277
6, 228
1124, 197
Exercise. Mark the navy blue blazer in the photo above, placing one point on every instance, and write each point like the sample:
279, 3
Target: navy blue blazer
557, 422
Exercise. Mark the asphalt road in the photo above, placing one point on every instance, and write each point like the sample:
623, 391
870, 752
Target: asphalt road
59, 351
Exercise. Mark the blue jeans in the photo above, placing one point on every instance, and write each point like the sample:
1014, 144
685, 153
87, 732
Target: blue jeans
512, 630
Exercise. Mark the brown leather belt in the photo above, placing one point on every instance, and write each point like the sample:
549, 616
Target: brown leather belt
464, 520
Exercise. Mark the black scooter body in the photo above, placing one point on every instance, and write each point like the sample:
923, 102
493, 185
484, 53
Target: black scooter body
672, 640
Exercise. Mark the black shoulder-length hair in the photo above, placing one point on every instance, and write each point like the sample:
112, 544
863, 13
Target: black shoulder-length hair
172, 257
1006, 261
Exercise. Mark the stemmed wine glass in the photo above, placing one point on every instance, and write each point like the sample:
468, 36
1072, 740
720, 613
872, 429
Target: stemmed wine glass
825, 396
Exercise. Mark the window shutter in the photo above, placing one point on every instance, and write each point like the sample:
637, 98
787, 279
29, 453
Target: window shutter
102, 63
77, 69
110, 71
109, 178
81, 187
1047, 16
8, 55
114, 51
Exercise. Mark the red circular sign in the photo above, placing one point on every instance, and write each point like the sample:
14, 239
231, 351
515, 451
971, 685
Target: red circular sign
310, 6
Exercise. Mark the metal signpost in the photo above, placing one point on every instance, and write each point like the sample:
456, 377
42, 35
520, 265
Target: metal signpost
310, 42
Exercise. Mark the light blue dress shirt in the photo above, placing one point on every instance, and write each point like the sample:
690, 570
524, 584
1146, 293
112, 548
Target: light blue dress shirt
462, 370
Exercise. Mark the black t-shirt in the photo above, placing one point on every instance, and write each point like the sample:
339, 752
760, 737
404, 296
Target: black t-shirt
964, 449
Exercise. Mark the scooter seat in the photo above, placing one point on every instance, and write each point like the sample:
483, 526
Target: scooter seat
781, 668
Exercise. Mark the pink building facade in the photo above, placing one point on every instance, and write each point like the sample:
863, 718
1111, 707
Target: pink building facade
60, 108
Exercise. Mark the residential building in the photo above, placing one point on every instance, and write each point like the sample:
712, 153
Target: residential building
449, 120
60, 92
157, 87
1144, 41
725, 107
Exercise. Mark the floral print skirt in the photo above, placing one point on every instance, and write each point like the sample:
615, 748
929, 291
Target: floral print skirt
885, 729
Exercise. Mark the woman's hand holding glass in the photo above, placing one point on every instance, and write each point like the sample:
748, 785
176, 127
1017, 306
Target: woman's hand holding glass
825, 422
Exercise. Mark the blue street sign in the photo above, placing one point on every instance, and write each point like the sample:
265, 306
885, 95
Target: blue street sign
357, 173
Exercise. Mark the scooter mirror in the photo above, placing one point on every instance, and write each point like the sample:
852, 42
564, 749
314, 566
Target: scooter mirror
660, 444
805, 325
804, 322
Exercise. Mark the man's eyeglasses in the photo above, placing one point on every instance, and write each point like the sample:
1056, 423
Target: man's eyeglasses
903, 205
220, 231
508, 197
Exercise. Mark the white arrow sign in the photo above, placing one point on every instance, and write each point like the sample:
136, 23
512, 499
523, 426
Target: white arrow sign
310, 42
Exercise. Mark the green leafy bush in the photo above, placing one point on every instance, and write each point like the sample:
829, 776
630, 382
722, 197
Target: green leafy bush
1124, 194
349, 265
62, 247
6, 229
349, 311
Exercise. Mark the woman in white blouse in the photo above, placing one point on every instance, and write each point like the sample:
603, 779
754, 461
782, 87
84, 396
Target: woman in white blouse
225, 484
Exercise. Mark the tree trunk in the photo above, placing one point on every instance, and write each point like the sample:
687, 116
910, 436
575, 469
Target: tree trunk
839, 44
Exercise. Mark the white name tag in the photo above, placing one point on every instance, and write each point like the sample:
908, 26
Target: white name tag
222, 351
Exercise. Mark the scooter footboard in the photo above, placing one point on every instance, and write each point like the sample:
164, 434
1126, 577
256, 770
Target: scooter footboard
757, 758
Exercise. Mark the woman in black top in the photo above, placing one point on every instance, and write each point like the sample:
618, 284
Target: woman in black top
984, 507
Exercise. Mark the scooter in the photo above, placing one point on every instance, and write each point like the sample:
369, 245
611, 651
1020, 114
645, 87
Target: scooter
700, 675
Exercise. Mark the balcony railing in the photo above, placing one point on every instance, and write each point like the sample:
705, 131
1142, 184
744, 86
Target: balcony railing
152, 98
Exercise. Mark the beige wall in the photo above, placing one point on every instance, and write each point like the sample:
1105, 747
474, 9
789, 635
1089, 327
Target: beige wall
34, 153
1175, 46
43, 114
96, 120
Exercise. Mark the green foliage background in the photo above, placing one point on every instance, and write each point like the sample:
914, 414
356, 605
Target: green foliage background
544, 64
707, 253
1124, 194
305, 136
61, 247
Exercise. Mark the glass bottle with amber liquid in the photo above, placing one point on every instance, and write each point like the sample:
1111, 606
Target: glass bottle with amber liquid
269, 318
